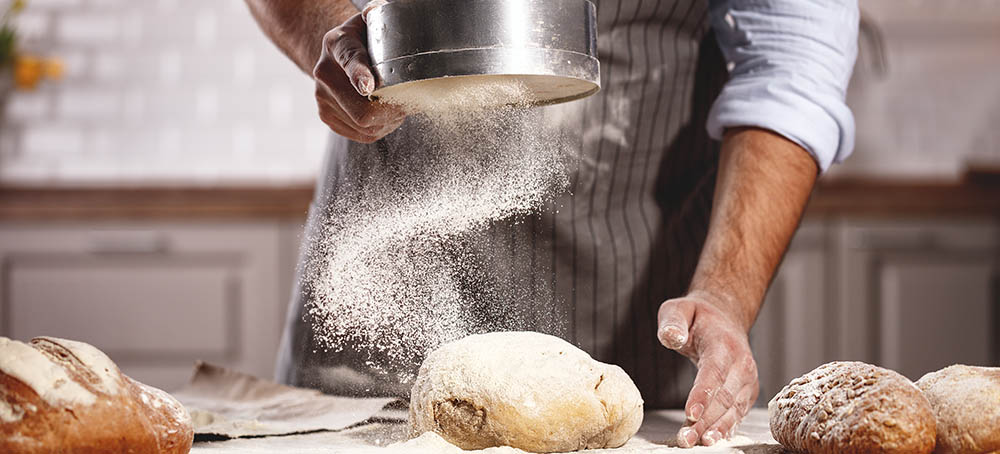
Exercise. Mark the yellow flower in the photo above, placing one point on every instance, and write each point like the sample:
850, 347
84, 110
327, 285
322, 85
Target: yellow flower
18, 5
53, 68
27, 72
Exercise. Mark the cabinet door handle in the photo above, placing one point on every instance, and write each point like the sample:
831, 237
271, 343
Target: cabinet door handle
131, 245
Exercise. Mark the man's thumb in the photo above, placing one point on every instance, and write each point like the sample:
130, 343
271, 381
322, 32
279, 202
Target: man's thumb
675, 317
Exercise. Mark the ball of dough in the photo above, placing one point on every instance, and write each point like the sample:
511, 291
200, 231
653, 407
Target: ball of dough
966, 404
526, 390
852, 407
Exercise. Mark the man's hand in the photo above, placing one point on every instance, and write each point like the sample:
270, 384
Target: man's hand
337, 59
726, 385
762, 187
344, 81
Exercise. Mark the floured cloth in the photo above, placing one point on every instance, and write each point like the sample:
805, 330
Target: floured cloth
228, 404
383, 437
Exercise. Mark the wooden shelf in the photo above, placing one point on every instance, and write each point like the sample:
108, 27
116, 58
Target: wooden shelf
906, 198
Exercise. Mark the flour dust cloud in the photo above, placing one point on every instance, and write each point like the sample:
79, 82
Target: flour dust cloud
402, 265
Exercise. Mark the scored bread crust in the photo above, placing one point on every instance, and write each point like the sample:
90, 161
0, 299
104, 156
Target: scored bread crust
852, 408
64, 396
966, 404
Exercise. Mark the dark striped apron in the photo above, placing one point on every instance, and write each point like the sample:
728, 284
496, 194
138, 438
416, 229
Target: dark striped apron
624, 238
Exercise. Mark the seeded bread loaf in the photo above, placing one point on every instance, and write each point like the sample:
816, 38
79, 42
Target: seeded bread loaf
64, 396
966, 404
852, 408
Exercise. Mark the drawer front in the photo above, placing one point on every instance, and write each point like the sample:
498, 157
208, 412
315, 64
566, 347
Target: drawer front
156, 297
141, 309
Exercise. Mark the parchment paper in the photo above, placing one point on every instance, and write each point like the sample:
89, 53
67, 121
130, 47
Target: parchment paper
655, 437
228, 404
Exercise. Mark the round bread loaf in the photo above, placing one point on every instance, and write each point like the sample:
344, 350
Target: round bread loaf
58, 395
852, 408
526, 390
966, 404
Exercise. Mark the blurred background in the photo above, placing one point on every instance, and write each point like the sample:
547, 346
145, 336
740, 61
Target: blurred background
157, 160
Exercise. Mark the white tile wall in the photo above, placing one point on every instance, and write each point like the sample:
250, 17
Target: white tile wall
159, 92
190, 91
935, 107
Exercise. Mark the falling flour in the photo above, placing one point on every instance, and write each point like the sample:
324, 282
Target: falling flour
398, 269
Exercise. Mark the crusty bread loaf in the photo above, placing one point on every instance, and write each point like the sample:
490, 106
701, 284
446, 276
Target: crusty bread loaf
852, 408
966, 404
63, 396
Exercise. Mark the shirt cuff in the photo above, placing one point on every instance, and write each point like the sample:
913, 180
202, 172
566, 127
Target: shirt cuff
817, 120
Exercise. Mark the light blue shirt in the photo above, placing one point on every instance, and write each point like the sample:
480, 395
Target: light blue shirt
789, 63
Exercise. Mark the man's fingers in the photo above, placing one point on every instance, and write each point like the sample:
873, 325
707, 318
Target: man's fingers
346, 44
361, 111
720, 430
330, 116
744, 402
726, 424
711, 376
723, 397
328, 75
368, 114
687, 437
330, 104
339, 127
675, 318
355, 112
734, 395
344, 81
333, 115
752, 390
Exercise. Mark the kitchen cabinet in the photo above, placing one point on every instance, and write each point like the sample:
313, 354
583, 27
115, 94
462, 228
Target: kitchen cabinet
913, 295
918, 296
154, 296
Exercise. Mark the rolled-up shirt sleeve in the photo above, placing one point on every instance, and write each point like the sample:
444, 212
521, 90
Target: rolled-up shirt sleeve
789, 64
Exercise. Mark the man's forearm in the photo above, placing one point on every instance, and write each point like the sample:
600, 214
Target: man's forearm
763, 185
297, 26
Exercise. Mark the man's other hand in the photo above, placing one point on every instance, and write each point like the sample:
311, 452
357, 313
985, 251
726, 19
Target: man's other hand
344, 80
726, 385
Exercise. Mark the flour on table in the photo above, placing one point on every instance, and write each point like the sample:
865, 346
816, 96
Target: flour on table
731, 445
211, 422
432, 443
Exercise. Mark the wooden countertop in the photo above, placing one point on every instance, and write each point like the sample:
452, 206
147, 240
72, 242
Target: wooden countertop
969, 197
280, 202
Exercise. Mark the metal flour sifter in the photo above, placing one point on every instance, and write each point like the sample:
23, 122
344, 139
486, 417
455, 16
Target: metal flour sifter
549, 46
